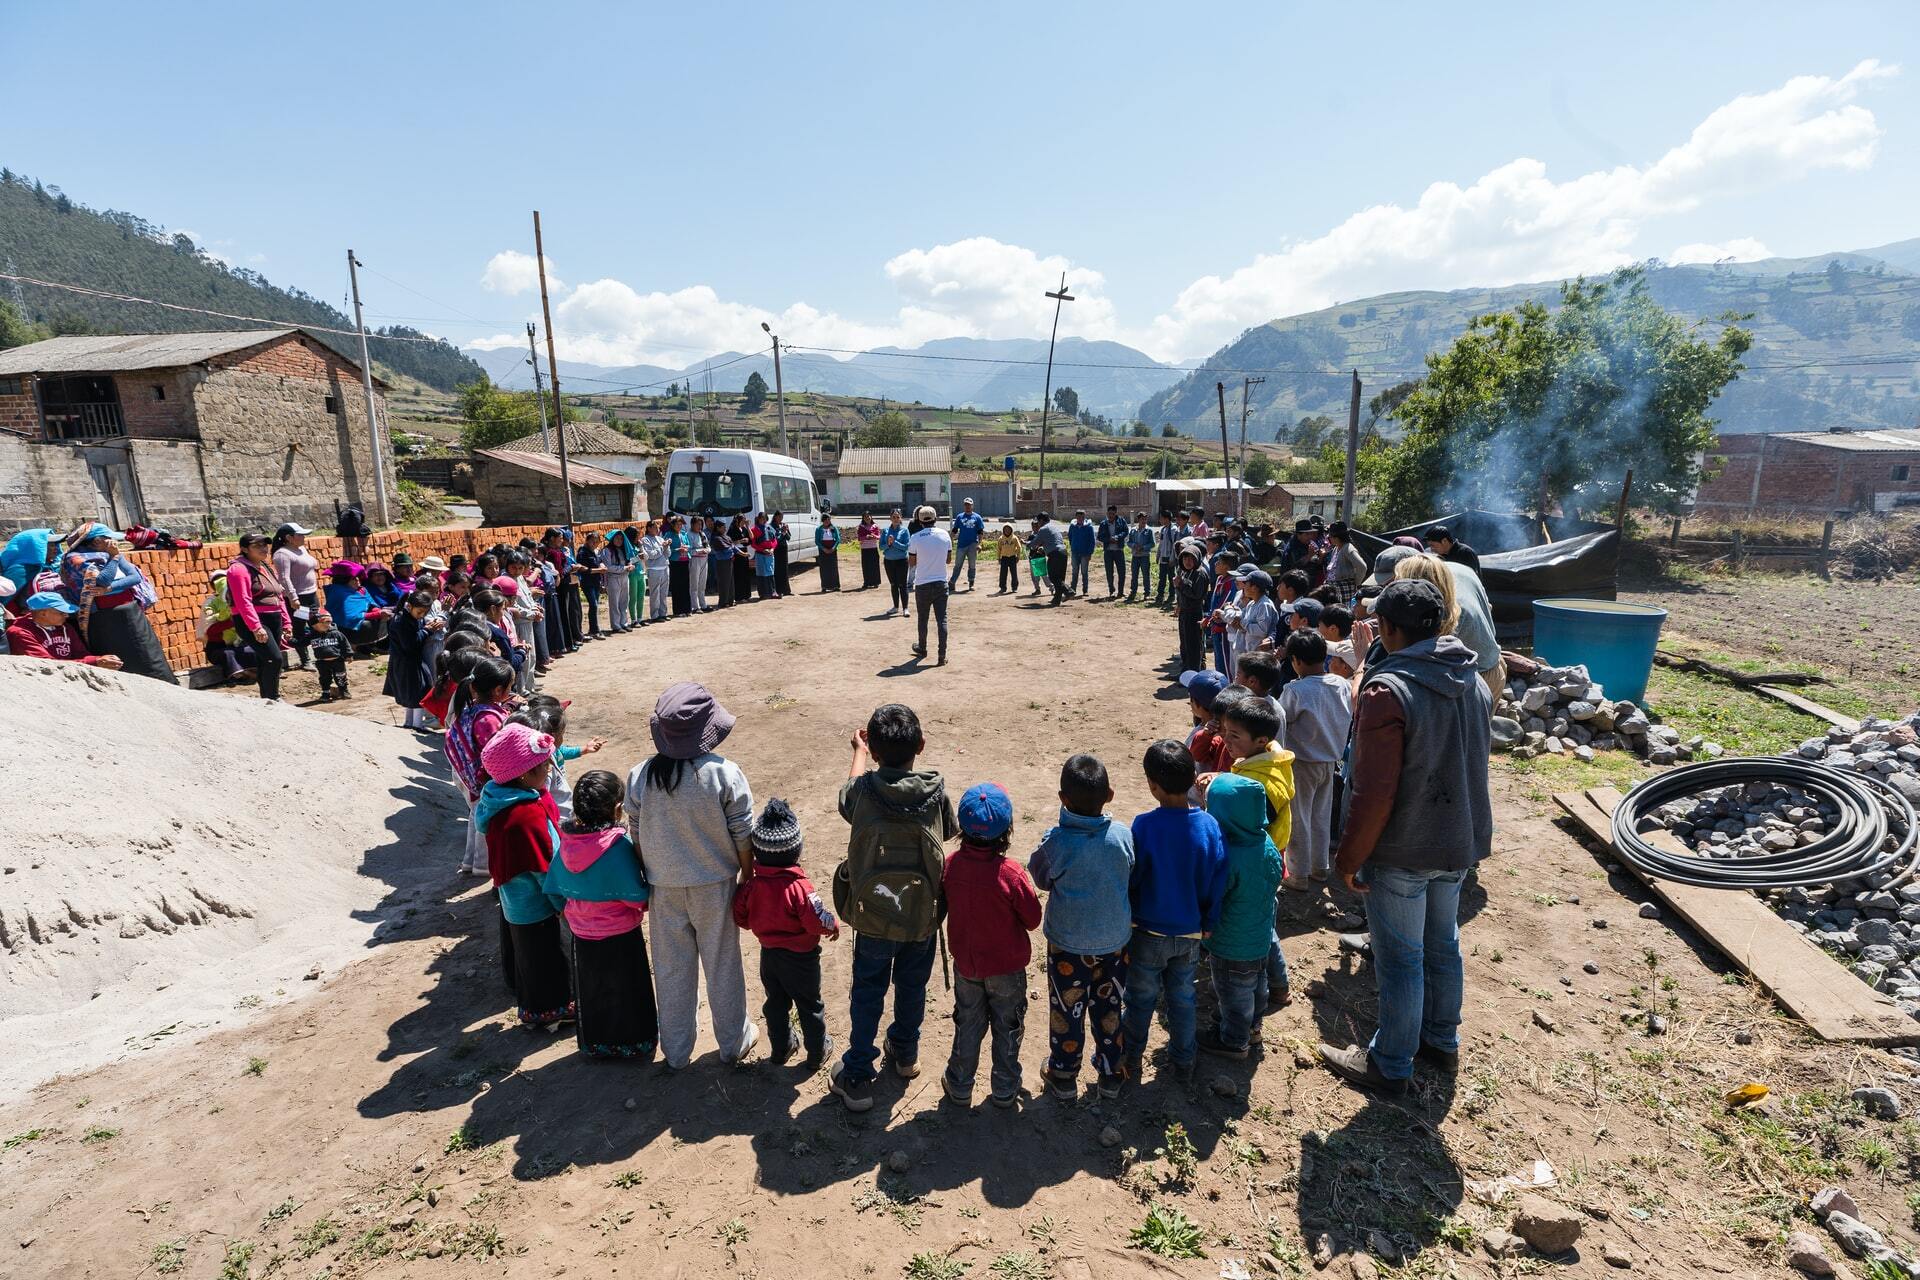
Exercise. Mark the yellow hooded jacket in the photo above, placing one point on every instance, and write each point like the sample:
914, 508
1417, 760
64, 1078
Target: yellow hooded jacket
1273, 770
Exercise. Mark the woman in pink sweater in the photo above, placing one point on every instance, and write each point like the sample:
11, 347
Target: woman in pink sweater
260, 605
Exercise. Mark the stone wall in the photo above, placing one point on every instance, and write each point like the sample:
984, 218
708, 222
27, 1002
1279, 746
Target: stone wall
519, 495
180, 577
285, 437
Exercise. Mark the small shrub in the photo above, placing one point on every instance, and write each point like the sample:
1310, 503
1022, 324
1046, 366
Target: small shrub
168, 1256
234, 1264
934, 1266
100, 1133
256, 1066
1169, 1233
461, 1139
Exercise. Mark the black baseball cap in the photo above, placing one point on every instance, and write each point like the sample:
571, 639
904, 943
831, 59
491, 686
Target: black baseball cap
1410, 604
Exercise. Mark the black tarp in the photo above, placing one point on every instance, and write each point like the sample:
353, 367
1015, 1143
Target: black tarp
1583, 561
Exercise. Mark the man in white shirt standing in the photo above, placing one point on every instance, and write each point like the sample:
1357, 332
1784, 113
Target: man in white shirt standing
928, 551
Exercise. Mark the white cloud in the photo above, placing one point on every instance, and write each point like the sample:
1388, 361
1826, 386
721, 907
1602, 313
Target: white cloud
1516, 223
512, 272
1744, 249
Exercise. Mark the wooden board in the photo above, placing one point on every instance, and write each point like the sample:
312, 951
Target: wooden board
1809, 706
1803, 978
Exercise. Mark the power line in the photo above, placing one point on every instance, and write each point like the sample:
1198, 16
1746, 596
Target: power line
202, 311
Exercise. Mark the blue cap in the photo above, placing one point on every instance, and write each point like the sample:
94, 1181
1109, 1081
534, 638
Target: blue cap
986, 811
50, 600
1203, 686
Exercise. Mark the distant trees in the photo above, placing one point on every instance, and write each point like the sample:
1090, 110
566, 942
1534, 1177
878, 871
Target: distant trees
1259, 472
889, 430
491, 416
1141, 431
1067, 401
16, 330
755, 396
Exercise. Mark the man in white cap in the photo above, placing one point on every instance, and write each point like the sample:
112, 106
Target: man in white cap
928, 551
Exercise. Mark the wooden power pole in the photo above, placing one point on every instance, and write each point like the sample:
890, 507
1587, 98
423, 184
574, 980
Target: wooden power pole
1353, 449
1246, 390
553, 369
1226, 451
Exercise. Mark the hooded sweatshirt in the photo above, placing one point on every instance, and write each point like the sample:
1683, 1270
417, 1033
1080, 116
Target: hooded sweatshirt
1084, 864
1273, 770
523, 834
599, 878
1254, 868
781, 908
1416, 793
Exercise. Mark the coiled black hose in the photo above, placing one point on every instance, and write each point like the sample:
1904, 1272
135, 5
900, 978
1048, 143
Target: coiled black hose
1875, 830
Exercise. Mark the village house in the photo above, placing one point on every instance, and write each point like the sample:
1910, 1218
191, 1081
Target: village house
597, 445
516, 487
1297, 500
198, 432
1820, 474
878, 480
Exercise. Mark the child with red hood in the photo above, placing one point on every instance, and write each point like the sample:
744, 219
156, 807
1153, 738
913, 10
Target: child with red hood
783, 911
517, 814
599, 879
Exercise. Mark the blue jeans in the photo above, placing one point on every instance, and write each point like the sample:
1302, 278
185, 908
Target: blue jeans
906, 966
1156, 964
1414, 917
1078, 580
1276, 964
1240, 991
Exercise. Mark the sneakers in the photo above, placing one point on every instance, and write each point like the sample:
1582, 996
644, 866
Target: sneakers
1355, 1065
1007, 1101
1278, 998
1109, 1086
1210, 1042
1134, 1066
812, 1064
1063, 1088
1445, 1060
858, 1097
746, 1049
782, 1055
1183, 1074
918, 650
951, 1092
904, 1067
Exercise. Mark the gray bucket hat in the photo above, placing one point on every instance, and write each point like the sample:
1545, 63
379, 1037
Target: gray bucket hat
688, 721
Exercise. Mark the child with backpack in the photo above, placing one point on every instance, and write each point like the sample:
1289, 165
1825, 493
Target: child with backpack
991, 908
1179, 880
888, 890
1085, 865
476, 719
783, 911
603, 891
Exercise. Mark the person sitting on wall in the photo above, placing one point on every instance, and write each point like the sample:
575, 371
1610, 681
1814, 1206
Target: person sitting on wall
359, 619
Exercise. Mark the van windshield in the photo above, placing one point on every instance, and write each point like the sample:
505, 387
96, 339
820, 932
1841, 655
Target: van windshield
711, 492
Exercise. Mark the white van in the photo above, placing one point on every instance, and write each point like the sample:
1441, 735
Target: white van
724, 483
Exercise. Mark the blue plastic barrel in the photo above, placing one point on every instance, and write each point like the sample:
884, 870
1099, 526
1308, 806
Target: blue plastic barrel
1613, 640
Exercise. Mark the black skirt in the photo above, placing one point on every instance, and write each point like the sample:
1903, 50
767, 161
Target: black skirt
829, 571
869, 567
124, 632
613, 988
679, 588
742, 576
542, 985
780, 580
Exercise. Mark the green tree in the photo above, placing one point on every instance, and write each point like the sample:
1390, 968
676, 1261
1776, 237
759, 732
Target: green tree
16, 330
1067, 401
1533, 408
1140, 431
889, 430
1313, 432
755, 398
1168, 431
1260, 471
493, 416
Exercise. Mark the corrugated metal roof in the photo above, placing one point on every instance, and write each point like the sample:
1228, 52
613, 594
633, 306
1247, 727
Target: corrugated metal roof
1317, 489
579, 474
583, 437
115, 353
1883, 440
1195, 484
895, 462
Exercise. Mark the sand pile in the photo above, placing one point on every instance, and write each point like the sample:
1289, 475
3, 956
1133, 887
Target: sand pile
175, 859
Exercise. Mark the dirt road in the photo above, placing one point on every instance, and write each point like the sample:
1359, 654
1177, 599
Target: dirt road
393, 1122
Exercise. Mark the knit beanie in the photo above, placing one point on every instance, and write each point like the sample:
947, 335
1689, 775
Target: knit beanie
776, 835
514, 750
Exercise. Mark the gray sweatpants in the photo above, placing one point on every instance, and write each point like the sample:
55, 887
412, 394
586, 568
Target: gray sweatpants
998, 1003
1309, 849
693, 930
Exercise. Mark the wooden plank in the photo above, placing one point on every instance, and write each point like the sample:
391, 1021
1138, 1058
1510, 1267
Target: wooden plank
1803, 978
1807, 705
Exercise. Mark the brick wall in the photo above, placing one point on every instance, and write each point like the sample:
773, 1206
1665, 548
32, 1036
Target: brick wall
20, 414
1772, 473
180, 577
149, 418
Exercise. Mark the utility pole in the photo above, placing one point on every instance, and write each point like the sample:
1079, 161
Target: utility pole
1353, 449
553, 368
1226, 454
1046, 396
539, 398
779, 387
1246, 388
366, 385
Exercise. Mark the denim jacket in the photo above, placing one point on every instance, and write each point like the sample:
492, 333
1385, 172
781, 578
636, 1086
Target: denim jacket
1085, 865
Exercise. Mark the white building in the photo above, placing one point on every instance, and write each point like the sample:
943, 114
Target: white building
878, 480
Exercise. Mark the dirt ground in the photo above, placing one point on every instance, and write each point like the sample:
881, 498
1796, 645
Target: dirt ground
394, 1123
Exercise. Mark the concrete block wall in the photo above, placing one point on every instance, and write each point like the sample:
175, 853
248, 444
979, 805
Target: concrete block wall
181, 577
43, 485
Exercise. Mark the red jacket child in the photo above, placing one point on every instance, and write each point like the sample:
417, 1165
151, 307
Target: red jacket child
991, 908
781, 908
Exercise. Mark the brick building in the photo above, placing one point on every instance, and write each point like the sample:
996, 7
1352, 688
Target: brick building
1822, 474
1296, 500
191, 431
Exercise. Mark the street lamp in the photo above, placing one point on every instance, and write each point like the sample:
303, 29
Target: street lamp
779, 389
1046, 396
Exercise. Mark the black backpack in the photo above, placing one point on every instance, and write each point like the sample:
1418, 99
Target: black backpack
889, 886
352, 523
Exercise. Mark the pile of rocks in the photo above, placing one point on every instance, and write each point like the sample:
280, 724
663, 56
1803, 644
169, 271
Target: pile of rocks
1889, 748
1744, 820
1561, 711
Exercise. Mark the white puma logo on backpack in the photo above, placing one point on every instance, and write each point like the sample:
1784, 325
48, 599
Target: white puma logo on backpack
890, 894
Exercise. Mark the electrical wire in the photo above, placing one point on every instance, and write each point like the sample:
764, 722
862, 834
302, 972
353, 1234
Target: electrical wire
1874, 832
202, 311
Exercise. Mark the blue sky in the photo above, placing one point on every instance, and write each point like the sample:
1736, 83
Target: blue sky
870, 173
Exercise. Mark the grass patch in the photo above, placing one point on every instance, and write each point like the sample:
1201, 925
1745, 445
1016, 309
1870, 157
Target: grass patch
903, 1206
732, 1232
325, 1231
255, 1067
1742, 722
279, 1213
100, 1133
934, 1266
236, 1262
627, 1180
168, 1257
1015, 1265
1168, 1232
18, 1139
461, 1139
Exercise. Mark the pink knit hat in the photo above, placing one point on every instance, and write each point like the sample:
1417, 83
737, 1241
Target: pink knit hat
506, 586
515, 750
